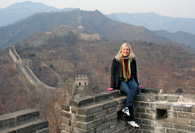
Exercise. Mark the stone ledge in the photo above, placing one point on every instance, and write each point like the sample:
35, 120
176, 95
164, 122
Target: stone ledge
151, 90
96, 98
154, 111
17, 118
28, 127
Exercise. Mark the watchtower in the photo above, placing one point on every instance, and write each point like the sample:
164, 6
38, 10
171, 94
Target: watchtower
81, 80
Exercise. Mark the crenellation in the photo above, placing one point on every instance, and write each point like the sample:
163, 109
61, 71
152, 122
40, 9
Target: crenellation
172, 98
24, 121
162, 97
154, 111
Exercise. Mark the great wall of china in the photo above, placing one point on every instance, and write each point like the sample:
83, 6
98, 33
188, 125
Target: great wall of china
155, 111
27, 71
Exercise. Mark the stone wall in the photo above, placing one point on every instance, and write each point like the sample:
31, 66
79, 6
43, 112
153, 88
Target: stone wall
24, 121
155, 111
27, 71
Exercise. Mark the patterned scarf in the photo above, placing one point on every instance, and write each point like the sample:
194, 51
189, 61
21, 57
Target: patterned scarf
125, 74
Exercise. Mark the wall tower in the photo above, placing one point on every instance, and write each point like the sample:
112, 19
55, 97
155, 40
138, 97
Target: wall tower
81, 80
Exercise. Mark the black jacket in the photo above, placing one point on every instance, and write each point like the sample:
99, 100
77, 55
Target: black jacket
115, 73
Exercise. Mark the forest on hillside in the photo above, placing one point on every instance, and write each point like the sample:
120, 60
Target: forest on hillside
167, 66
57, 60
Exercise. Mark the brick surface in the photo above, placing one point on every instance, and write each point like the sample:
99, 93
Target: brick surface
140, 109
82, 101
185, 115
113, 94
183, 107
146, 104
66, 107
88, 110
155, 112
110, 117
175, 131
172, 113
148, 98
161, 105
101, 114
192, 123
112, 129
102, 126
148, 116
66, 121
172, 98
163, 123
89, 125
147, 127
162, 97
147, 122
178, 120
27, 120
66, 114
184, 127
101, 97
109, 104
193, 109
151, 111
84, 118
151, 90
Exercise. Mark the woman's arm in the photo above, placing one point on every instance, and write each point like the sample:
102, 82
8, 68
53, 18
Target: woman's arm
113, 72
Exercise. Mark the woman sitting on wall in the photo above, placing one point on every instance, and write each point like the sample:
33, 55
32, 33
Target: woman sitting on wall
124, 78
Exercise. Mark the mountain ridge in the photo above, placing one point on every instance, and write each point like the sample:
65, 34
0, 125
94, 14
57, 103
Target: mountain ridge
92, 22
22, 10
153, 21
37, 8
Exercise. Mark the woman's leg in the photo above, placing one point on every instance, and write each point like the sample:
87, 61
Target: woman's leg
124, 87
130, 89
134, 89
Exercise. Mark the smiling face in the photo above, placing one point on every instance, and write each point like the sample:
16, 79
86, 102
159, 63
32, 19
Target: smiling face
125, 51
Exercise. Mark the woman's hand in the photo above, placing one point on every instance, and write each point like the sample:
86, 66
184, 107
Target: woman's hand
140, 87
109, 89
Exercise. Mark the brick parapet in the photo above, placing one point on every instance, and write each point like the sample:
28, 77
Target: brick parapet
154, 111
24, 121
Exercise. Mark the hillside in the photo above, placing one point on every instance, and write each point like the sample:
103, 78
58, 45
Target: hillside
65, 54
179, 37
169, 63
89, 22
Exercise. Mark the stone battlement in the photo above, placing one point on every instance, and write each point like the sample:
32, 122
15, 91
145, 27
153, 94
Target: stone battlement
24, 121
155, 111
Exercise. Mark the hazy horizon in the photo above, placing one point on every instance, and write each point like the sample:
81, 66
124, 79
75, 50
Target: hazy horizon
173, 8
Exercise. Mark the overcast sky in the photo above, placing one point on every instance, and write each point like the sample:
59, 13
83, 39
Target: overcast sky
172, 8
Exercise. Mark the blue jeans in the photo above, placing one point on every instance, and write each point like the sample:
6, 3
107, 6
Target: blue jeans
130, 88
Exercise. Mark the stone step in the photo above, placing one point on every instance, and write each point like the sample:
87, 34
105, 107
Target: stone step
39, 125
18, 118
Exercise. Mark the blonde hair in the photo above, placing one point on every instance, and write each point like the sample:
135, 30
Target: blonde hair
119, 54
